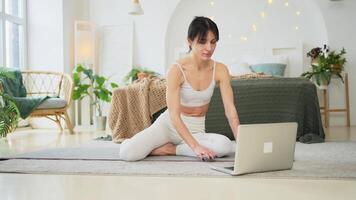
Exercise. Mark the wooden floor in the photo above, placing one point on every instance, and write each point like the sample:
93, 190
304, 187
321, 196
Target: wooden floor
38, 186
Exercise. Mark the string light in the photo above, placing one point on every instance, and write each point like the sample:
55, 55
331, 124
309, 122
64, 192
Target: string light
263, 14
254, 27
243, 38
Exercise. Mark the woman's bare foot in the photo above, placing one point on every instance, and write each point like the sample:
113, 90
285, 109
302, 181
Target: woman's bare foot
168, 149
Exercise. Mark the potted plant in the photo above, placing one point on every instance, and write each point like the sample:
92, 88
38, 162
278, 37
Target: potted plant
320, 74
138, 73
336, 61
328, 65
314, 53
96, 87
9, 112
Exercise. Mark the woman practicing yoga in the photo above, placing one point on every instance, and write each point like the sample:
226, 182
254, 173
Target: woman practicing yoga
180, 130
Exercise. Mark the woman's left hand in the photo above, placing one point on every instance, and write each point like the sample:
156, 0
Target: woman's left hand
203, 152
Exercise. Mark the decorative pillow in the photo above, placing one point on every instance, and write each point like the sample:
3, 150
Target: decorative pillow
237, 69
273, 69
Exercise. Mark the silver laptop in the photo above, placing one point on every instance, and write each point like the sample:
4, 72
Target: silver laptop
263, 147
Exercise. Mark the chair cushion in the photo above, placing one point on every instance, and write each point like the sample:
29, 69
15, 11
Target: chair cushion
52, 102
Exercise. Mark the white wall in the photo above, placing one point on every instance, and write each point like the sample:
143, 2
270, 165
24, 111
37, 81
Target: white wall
149, 29
235, 19
72, 11
45, 35
333, 20
341, 28
50, 38
321, 22
50, 33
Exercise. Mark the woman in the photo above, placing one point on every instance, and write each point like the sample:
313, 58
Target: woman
180, 130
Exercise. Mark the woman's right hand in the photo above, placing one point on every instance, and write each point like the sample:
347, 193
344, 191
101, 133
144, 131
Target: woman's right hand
201, 152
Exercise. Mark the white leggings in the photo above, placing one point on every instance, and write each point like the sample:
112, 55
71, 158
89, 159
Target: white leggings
162, 132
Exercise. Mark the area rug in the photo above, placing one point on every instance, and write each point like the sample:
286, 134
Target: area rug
331, 160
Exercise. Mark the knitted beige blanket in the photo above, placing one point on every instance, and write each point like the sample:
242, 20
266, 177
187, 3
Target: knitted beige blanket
132, 107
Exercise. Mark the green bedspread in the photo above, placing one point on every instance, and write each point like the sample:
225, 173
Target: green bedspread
268, 101
16, 89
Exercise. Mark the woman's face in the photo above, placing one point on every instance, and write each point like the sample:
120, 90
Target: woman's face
204, 47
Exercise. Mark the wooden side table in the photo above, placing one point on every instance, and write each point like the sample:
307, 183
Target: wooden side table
326, 110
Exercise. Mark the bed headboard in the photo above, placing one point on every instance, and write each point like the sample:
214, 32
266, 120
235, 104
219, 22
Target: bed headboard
233, 53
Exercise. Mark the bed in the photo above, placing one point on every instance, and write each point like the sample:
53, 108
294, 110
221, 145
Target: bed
258, 100
271, 100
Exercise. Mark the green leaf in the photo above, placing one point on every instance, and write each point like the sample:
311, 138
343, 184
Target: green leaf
76, 79
100, 80
5, 73
339, 76
104, 95
9, 115
79, 68
89, 74
80, 91
132, 75
114, 85
76, 95
317, 78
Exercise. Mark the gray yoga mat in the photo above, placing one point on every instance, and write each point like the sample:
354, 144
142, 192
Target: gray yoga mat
98, 150
330, 160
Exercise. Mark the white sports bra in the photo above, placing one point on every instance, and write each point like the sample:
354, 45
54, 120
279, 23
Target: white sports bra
193, 98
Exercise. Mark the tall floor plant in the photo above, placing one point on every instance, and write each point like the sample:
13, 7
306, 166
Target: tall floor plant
9, 113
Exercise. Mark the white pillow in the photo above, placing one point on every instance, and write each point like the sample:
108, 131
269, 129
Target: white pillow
275, 59
238, 69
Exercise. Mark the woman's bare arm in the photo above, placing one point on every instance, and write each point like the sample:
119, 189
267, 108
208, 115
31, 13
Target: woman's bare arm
224, 79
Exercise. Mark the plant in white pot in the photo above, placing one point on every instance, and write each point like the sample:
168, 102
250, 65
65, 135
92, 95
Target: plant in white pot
328, 64
86, 83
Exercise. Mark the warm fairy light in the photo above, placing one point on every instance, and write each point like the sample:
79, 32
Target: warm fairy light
212, 3
254, 27
263, 14
243, 38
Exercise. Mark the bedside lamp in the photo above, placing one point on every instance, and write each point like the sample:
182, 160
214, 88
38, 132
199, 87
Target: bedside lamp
136, 8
